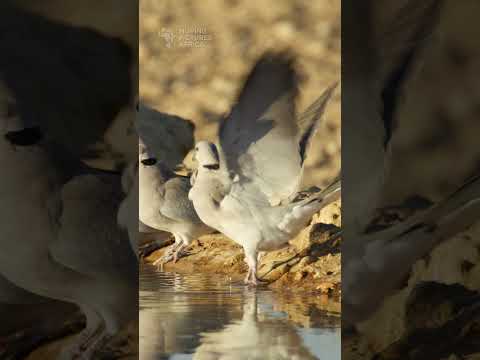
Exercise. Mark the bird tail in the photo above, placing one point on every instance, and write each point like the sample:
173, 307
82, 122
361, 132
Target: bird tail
389, 255
300, 212
326, 196
309, 120
446, 218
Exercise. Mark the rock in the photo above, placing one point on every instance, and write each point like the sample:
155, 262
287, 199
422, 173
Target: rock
329, 215
276, 273
305, 261
326, 287
284, 30
299, 275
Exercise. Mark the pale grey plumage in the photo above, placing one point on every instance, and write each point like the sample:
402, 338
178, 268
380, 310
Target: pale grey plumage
164, 203
67, 247
168, 138
72, 249
386, 257
375, 263
165, 139
245, 187
11, 294
127, 216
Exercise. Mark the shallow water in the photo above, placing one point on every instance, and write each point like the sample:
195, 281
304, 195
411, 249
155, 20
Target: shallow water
206, 316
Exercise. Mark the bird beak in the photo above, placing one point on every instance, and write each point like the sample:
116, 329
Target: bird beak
181, 167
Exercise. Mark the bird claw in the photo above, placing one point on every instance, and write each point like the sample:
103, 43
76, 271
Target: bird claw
87, 345
168, 256
179, 254
171, 255
252, 280
162, 260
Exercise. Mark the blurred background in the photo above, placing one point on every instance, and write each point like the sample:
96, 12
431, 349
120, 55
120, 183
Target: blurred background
194, 57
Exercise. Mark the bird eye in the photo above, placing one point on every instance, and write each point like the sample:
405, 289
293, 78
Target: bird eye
149, 162
25, 137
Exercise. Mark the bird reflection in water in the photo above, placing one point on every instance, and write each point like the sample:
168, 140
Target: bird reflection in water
199, 317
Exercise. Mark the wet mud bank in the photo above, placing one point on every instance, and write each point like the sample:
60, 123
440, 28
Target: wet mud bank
311, 262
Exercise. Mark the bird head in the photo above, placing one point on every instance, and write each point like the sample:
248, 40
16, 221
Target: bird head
144, 156
206, 154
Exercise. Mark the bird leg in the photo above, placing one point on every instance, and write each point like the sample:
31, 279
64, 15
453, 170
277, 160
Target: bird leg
180, 252
95, 343
175, 252
168, 256
84, 343
251, 278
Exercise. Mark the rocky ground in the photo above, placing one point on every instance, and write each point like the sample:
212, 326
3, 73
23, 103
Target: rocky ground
310, 263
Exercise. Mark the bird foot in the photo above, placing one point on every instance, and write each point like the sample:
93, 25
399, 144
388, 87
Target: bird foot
162, 260
170, 256
86, 345
252, 280
167, 257
179, 254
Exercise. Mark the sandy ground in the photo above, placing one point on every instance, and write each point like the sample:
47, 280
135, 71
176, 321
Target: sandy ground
200, 81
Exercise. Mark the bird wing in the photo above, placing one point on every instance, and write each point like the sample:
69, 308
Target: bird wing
258, 139
167, 137
309, 120
176, 205
89, 239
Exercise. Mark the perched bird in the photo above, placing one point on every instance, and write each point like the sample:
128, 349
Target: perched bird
164, 204
58, 215
245, 187
128, 216
168, 139
376, 262
395, 249
72, 249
